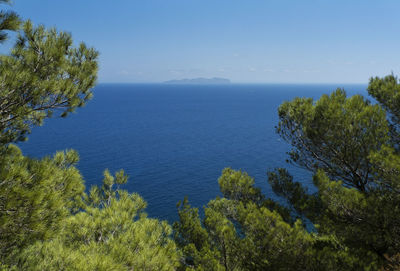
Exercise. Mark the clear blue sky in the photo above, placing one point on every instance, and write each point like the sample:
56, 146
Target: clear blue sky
298, 41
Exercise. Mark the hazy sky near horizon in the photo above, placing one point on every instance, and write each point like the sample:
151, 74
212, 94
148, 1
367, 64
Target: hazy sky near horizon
260, 41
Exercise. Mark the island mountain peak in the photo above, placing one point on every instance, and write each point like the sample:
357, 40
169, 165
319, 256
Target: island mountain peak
200, 80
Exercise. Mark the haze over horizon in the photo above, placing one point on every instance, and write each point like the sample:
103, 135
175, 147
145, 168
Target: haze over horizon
311, 41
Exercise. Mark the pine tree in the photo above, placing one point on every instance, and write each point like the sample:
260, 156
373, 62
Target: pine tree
35, 197
350, 223
9, 21
245, 231
111, 233
351, 147
43, 74
47, 220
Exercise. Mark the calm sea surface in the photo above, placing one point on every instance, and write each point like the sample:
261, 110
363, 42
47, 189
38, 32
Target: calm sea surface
174, 140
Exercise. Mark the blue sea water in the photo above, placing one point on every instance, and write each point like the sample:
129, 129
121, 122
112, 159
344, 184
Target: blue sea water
174, 140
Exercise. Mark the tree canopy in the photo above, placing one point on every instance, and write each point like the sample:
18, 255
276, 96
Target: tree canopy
50, 221
9, 21
43, 74
47, 219
351, 222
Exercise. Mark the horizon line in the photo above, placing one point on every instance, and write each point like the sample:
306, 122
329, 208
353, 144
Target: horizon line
240, 83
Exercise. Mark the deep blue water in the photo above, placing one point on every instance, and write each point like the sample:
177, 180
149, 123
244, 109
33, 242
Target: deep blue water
174, 140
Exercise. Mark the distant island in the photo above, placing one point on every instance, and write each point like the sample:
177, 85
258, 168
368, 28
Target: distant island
203, 81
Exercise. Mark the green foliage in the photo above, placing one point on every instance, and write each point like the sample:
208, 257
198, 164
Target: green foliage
335, 134
111, 233
237, 185
386, 91
44, 73
302, 203
9, 21
351, 147
194, 241
241, 233
35, 196
350, 223
47, 221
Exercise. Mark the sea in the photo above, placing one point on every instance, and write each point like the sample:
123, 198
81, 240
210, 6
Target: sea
174, 140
